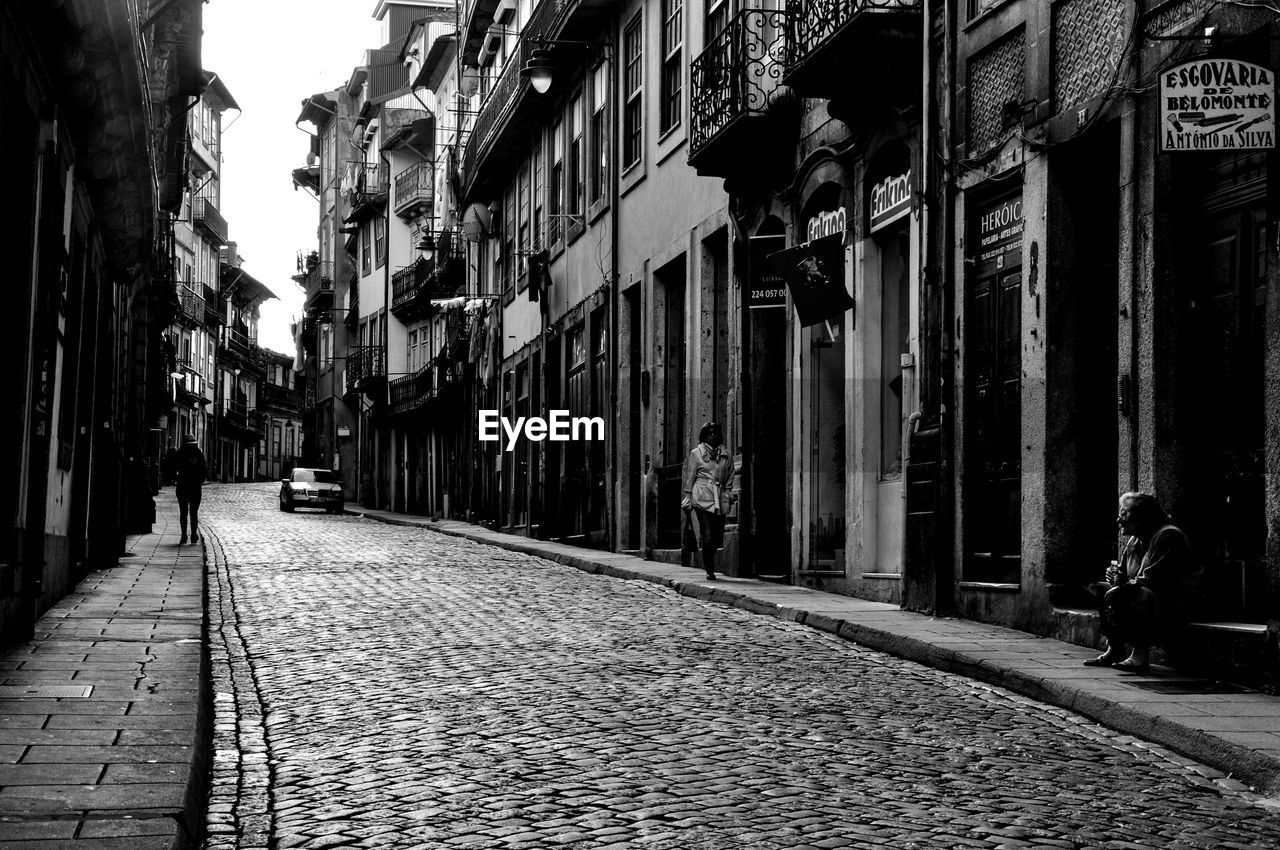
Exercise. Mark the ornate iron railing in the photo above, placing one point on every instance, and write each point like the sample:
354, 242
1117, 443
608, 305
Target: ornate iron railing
365, 362
281, 397
320, 277
737, 74
405, 283
415, 184
215, 311
191, 304
510, 86
205, 213
413, 391
812, 22
365, 183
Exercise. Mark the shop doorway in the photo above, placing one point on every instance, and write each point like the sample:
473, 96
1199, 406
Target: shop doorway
993, 396
1221, 391
826, 460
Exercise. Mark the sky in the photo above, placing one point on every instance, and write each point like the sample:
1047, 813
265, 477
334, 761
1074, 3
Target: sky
272, 54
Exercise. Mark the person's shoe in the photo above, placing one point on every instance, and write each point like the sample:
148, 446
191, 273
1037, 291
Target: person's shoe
183, 540
1137, 662
1106, 659
711, 576
195, 538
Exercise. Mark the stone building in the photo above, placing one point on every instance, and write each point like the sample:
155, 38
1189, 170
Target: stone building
92, 96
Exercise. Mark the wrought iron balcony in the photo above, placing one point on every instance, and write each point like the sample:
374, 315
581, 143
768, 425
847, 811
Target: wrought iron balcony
830, 42
508, 118
450, 264
190, 307
215, 308
366, 188
281, 398
318, 281
241, 349
204, 214
406, 285
414, 189
732, 97
366, 364
413, 392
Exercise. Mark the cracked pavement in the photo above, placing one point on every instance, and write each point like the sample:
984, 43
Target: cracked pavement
384, 686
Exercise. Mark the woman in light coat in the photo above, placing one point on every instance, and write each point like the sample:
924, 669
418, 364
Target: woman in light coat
708, 472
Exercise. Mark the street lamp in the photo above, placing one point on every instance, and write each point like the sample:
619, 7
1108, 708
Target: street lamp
540, 67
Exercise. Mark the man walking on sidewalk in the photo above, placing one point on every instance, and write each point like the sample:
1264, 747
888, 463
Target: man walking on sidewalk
189, 472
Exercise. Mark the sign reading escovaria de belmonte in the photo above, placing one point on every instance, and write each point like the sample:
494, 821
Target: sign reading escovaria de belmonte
1217, 105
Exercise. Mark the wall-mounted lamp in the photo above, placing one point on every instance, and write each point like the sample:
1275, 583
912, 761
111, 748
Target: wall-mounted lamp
540, 67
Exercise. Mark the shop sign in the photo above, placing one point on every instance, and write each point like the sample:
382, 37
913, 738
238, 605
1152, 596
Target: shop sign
1000, 234
767, 288
1217, 105
827, 223
344, 431
814, 273
890, 200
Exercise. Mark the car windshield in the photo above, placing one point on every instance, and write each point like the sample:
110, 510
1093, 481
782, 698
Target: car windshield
321, 476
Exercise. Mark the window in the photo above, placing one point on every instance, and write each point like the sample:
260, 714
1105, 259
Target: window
599, 163
633, 88
717, 20
557, 185
380, 241
577, 167
672, 70
539, 191
522, 244
411, 363
366, 248
509, 244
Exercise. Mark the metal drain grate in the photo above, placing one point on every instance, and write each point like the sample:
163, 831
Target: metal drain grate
1191, 686
44, 691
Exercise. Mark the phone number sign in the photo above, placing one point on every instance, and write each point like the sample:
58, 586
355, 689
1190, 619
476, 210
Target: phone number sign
1217, 105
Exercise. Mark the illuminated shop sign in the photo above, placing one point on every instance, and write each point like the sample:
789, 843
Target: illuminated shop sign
890, 200
1217, 105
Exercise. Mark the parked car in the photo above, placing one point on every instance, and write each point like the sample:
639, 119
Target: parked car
312, 488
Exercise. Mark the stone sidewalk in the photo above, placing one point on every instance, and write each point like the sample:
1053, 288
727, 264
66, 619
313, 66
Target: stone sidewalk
1225, 727
104, 715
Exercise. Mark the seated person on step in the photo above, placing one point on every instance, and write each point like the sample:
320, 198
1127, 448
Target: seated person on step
1152, 591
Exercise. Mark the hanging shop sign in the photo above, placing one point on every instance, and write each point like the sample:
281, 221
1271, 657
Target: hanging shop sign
890, 200
767, 287
1217, 105
814, 273
999, 235
827, 223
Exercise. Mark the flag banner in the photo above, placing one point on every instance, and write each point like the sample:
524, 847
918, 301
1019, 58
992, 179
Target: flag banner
814, 273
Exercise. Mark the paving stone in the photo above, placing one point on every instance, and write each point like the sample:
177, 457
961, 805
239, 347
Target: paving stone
461, 695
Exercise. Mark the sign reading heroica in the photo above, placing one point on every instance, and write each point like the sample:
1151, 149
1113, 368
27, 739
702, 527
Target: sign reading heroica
999, 235
1217, 105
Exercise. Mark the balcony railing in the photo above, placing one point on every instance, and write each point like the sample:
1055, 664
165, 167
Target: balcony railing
413, 391
366, 183
215, 309
191, 305
406, 282
735, 78
365, 363
509, 90
319, 281
414, 188
817, 28
280, 397
205, 214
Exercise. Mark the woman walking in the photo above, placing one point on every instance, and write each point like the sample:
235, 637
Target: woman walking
705, 481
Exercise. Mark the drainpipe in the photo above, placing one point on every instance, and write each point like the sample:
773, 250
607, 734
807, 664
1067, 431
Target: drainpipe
615, 192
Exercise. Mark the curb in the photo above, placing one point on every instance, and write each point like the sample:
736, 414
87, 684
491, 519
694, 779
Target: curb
1235, 761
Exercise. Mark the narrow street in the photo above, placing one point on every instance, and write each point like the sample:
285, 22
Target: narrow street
390, 687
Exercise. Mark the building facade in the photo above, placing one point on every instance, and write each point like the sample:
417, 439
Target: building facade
944, 318
92, 97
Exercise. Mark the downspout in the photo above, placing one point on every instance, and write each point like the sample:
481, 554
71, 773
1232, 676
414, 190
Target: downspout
386, 321
947, 501
615, 192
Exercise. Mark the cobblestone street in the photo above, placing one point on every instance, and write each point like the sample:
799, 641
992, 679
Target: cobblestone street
379, 686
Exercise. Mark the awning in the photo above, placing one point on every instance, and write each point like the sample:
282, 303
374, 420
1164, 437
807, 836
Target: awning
814, 272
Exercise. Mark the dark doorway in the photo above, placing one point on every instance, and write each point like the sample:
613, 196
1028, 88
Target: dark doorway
768, 554
1082, 422
993, 395
1221, 372
670, 286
